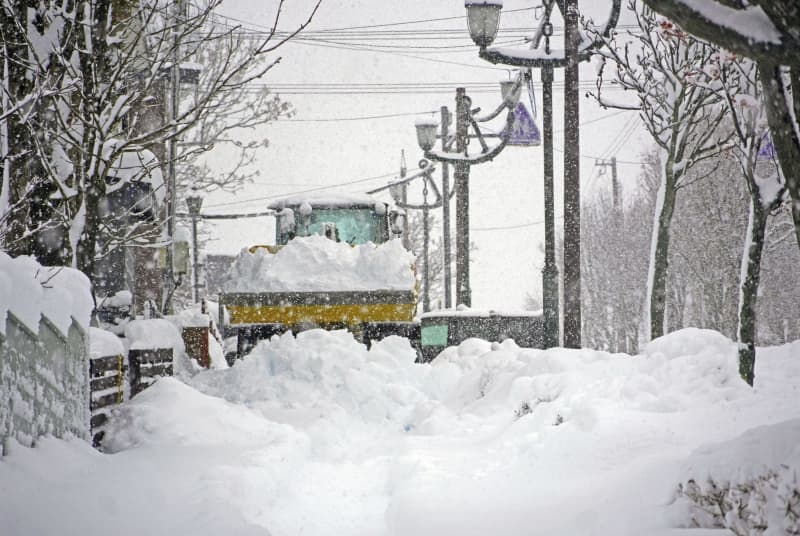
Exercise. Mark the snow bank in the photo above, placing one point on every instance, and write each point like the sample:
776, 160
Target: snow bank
170, 412
316, 263
153, 334
103, 343
748, 456
28, 289
315, 434
327, 371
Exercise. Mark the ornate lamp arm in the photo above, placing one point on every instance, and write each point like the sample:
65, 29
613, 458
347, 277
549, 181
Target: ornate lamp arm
536, 58
485, 156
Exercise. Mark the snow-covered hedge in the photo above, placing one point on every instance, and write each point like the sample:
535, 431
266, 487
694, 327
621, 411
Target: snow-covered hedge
749, 485
44, 358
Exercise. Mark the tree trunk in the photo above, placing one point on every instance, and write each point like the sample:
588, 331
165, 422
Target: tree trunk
86, 250
750, 277
659, 260
781, 113
20, 145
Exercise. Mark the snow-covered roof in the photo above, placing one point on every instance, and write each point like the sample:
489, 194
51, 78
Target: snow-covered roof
326, 200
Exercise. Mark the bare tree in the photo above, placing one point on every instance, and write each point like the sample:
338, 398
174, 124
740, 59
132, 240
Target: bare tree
115, 62
740, 85
768, 32
658, 63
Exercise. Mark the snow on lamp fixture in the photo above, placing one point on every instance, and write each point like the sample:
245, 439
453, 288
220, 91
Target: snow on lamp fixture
510, 90
426, 133
194, 203
396, 191
483, 19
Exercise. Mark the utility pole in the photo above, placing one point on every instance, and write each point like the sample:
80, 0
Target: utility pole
615, 190
172, 155
448, 296
550, 272
463, 290
426, 237
194, 203
572, 197
483, 21
404, 198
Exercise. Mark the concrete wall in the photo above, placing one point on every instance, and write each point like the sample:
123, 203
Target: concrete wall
44, 382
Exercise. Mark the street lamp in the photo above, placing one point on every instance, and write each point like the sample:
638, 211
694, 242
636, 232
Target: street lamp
466, 117
194, 203
398, 189
483, 17
483, 22
426, 132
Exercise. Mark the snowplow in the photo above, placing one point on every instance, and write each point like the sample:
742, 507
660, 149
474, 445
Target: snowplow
336, 264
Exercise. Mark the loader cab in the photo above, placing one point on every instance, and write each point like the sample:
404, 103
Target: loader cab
354, 219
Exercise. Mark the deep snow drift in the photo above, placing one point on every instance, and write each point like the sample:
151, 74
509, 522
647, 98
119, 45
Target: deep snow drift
316, 435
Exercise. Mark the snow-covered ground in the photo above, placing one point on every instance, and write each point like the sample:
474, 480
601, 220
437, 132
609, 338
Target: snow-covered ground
315, 435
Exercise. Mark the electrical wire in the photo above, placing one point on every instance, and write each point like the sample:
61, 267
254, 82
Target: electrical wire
360, 118
286, 194
506, 227
370, 26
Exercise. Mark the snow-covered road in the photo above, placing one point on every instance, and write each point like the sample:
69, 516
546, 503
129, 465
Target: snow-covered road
316, 435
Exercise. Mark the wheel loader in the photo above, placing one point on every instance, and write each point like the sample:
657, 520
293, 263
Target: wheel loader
252, 313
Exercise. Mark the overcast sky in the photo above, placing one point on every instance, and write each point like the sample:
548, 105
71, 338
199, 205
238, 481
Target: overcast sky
312, 151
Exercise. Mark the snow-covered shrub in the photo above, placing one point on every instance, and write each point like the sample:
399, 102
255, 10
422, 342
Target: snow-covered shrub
766, 504
748, 485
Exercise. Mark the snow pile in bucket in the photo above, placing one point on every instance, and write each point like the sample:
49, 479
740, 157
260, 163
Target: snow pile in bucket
316, 263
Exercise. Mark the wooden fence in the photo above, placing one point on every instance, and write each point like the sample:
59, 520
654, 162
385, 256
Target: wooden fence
148, 365
106, 381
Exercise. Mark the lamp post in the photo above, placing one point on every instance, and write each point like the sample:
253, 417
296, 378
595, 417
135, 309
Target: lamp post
398, 189
462, 161
483, 18
194, 203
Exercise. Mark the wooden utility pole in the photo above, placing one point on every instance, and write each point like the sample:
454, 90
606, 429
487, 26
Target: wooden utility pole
615, 190
572, 182
550, 272
448, 295
463, 290
173, 101
404, 199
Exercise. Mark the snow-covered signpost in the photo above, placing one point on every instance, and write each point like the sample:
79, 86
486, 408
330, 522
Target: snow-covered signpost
484, 20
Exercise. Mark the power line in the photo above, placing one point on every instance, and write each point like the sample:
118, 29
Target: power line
286, 194
399, 54
370, 26
411, 114
506, 227
361, 118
